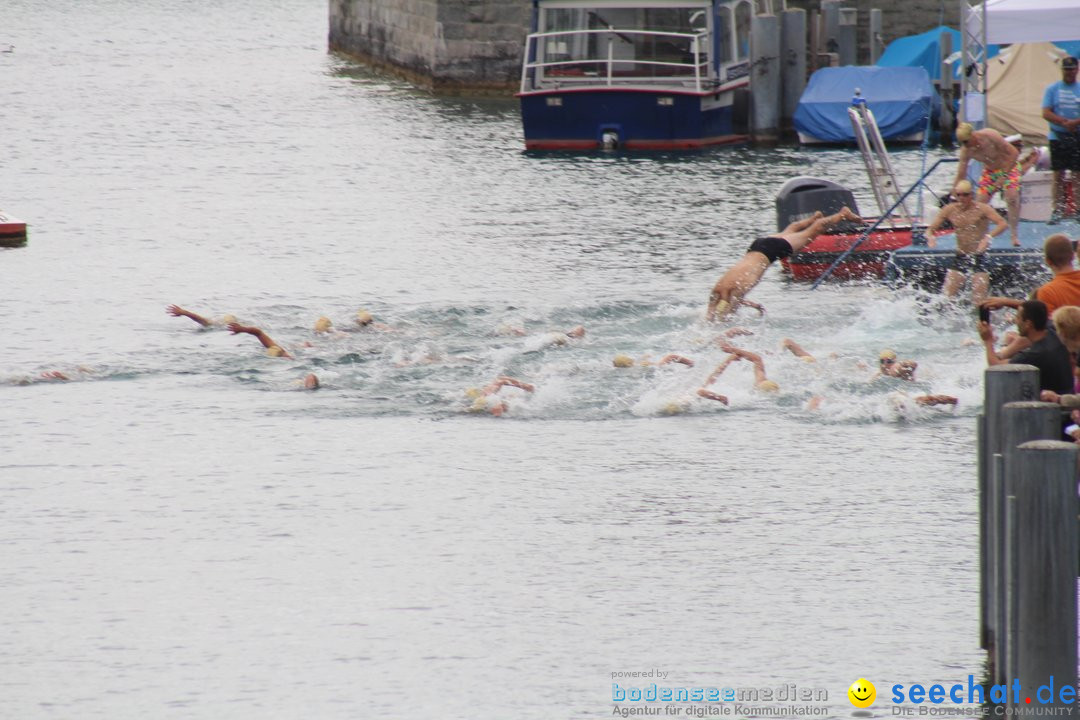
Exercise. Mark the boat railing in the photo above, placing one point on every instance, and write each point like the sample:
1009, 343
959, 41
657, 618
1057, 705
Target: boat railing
543, 67
915, 233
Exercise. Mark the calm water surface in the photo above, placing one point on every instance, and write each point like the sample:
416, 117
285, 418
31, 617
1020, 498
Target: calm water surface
185, 533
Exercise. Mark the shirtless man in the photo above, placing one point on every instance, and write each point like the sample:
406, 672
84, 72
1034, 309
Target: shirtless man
1001, 168
972, 222
729, 291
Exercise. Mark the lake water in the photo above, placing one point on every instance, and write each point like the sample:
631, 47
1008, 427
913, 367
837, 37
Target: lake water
186, 533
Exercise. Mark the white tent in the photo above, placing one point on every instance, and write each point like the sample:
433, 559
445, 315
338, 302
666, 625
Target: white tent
1015, 81
1022, 21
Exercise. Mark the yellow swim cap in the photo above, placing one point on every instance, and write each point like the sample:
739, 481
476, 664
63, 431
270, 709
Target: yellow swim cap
722, 306
768, 386
323, 324
473, 393
963, 131
274, 351
808, 358
887, 355
363, 317
623, 361
227, 319
963, 186
479, 405
672, 409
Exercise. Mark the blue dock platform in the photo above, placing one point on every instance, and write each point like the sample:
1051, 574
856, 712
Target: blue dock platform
1011, 268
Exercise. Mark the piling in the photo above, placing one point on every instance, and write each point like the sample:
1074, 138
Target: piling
1003, 384
1021, 422
847, 35
874, 43
830, 26
793, 64
765, 79
1044, 473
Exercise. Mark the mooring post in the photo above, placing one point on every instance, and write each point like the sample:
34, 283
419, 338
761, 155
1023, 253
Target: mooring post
1021, 422
1044, 476
793, 64
1002, 384
765, 78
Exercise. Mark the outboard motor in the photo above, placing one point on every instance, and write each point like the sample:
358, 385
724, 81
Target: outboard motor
801, 196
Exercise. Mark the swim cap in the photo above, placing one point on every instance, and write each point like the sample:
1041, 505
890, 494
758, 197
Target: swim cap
963, 131
323, 324
623, 361
311, 382
363, 317
473, 393
963, 186
768, 386
479, 405
274, 351
226, 319
886, 355
672, 408
722, 306
808, 358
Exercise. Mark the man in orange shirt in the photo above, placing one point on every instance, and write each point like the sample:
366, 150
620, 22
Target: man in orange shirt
1063, 289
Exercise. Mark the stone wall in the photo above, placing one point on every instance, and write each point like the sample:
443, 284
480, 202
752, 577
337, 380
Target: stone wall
475, 46
446, 45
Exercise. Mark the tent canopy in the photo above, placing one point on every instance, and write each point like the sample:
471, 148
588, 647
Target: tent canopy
1028, 21
1015, 81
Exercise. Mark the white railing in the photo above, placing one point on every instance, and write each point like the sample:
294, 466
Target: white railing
540, 72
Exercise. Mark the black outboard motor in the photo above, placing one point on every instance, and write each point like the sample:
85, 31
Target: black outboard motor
801, 196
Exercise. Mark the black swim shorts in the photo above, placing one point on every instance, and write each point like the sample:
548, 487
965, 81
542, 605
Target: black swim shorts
964, 263
774, 248
1065, 152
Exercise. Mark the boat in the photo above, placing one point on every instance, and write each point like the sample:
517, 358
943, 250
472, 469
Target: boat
904, 101
12, 231
800, 197
636, 74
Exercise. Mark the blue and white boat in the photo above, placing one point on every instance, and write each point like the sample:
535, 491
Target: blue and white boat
636, 74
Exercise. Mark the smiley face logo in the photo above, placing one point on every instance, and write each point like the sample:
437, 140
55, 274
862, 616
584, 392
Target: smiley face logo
862, 693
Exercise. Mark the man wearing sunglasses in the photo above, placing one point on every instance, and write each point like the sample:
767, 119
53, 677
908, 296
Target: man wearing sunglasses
1001, 168
971, 222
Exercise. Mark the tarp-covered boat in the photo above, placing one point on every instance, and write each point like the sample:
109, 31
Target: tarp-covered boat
903, 98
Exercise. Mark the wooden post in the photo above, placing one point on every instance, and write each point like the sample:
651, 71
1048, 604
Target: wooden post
1021, 422
1002, 384
793, 64
1044, 473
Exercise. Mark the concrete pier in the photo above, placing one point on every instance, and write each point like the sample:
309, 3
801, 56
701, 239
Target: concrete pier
450, 46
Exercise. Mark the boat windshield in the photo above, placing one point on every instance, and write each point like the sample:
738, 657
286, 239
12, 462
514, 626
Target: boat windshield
641, 42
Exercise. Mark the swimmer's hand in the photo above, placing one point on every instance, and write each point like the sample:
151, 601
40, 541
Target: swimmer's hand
710, 395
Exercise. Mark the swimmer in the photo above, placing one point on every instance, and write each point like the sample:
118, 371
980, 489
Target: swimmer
177, 311
272, 348
761, 380
891, 366
311, 382
729, 291
487, 398
1001, 168
625, 361
366, 321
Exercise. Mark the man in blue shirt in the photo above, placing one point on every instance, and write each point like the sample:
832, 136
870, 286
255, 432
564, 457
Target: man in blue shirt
1061, 108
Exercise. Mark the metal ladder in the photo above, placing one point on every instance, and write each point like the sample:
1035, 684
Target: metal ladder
876, 158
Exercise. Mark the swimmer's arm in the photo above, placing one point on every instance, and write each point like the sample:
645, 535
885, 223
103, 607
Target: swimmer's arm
937, 222
177, 311
936, 400
751, 304
719, 369
514, 382
710, 395
996, 303
673, 358
266, 340
1000, 226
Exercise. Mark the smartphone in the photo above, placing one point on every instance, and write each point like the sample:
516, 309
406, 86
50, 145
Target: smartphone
984, 313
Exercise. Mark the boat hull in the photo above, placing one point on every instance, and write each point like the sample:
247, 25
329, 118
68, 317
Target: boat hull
868, 260
12, 231
638, 119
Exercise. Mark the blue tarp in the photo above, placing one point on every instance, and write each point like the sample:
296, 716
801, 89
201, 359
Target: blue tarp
924, 51
901, 99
